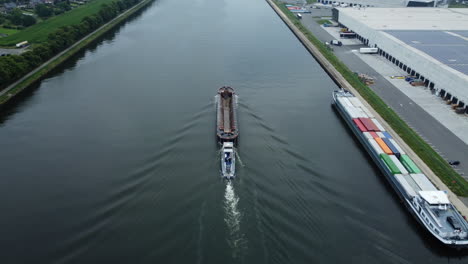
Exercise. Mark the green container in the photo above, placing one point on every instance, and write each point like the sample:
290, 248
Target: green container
393, 168
409, 164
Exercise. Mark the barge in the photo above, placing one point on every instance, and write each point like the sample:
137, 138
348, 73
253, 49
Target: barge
226, 120
430, 206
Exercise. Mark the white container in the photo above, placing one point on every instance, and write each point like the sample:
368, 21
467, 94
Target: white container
377, 123
380, 134
350, 111
398, 164
360, 113
423, 182
368, 113
397, 146
408, 189
368, 135
355, 101
375, 146
345, 101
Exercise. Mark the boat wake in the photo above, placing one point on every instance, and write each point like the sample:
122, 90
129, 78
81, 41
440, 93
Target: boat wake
236, 239
239, 159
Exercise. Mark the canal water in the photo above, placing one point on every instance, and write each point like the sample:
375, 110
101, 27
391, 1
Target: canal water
113, 158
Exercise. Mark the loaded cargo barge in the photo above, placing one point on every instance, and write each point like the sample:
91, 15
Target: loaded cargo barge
226, 120
430, 206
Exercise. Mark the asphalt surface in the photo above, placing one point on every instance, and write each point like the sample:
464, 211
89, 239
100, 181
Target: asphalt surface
12, 51
447, 144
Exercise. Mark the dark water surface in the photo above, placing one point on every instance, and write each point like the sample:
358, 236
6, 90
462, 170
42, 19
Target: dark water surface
113, 159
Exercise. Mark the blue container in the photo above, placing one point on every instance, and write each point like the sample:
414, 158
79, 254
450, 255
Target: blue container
386, 134
392, 147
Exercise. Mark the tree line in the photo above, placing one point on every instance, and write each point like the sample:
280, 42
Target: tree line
13, 67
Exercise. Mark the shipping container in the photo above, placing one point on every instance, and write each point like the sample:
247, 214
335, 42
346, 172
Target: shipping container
376, 146
397, 163
345, 101
388, 161
373, 134
351, 111
384, 146
392, 147
380, 134
377, 123
409, 164
397, 146
369, 124
359, 125
408, 189
367, 111
359, 112
368, 135
387, 135
355, 101
423, 182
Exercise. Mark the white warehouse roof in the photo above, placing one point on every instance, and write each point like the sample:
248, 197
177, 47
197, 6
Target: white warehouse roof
410, 18
431, 41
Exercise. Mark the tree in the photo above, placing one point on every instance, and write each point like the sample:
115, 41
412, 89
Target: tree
65, 6
28, 20
44, 11
16, 16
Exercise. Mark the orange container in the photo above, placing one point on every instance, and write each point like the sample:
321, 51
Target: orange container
383, 146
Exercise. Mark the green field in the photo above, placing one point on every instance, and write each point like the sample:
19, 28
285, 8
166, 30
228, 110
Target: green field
436, 163
8, 31
39, 32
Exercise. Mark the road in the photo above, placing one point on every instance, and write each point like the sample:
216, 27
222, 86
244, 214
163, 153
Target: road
448, 145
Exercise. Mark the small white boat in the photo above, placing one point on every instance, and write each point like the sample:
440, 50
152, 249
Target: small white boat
228, 161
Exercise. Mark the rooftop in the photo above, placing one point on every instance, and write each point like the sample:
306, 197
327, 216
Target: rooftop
411, 18
441, 33
448, 47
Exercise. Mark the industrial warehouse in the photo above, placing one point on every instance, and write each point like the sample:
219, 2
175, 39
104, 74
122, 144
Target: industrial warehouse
428, 43
387, 3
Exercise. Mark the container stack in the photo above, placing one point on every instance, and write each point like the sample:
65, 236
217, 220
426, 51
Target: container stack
385, 147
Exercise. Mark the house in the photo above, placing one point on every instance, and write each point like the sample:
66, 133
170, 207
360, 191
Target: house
9, 6
34, 3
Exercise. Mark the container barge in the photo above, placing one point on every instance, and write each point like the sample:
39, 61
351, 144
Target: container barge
226, 121
430, 206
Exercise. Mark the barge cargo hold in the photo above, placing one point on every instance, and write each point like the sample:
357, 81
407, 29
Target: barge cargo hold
430, 206
226, 120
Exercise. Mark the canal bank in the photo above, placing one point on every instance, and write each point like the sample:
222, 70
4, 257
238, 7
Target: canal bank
342, 82
12, 91
112, 158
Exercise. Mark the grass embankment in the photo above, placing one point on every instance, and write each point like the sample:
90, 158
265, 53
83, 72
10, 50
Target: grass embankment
323, 21
39, 32
435, 162
39, 74
309, 2
8, 31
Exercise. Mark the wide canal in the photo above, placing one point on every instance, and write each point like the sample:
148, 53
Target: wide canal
113, 158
